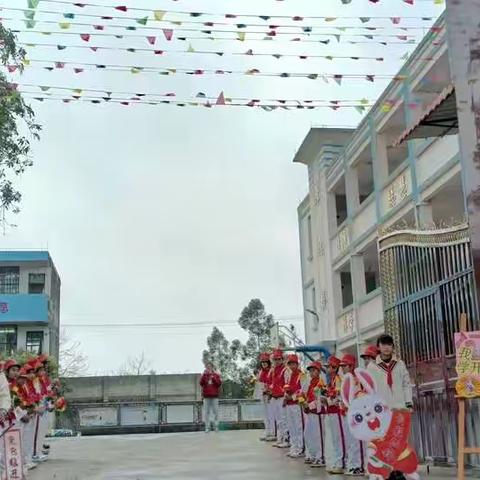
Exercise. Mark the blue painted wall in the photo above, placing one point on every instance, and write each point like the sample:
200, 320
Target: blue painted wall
19, 256
23, 309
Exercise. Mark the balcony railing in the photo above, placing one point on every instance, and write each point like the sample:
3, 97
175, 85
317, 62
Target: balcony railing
340, 243
24, 308
397, 191
346, 323
433, 158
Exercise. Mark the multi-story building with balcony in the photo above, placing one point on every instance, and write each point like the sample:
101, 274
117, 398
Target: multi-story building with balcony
366, 180
29, 303
384, 239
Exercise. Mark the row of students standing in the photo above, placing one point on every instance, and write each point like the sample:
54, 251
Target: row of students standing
29, 399
304, 412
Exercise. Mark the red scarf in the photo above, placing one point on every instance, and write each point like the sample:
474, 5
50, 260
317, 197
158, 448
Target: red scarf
388, 368
311, 390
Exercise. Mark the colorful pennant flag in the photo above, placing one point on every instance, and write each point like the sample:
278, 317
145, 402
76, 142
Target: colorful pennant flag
220, 99
159, 15
168, 32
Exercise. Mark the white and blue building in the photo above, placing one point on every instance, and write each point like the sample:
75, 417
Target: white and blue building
398, 167
29, 303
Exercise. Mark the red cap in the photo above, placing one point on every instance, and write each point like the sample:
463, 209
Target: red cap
316, 365
277, 355
265, 357
293, 359
9, 364
28, 367
36, 364
43, 358
370, 351
333, 361
348, 359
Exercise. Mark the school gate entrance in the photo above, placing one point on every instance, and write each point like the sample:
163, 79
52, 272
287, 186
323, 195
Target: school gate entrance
427, 282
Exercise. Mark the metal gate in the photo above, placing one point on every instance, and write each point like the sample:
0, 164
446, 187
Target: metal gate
427, 282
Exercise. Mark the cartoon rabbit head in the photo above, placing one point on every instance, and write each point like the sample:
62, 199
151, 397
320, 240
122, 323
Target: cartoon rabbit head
368, 415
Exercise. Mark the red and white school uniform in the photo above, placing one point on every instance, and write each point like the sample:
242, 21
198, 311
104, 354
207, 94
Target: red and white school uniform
334, 429
261, 387
276, 384
354, 450
294, 411
313, 433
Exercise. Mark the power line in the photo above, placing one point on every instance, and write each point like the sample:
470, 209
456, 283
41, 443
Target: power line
209, 323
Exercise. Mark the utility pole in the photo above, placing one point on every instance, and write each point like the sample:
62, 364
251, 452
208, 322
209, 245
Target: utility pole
463, 30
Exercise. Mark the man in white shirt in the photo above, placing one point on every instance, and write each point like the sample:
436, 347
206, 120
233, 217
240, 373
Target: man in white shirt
391, 375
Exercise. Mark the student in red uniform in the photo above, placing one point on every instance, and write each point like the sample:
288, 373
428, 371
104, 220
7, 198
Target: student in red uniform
210, 382
261, 389
313, 434
354, 460
334, 434
293, 379
275, 389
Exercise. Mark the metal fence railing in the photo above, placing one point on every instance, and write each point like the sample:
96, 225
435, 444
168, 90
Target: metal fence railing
153, 416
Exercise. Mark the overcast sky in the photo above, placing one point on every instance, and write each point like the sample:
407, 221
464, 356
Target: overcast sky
161, 214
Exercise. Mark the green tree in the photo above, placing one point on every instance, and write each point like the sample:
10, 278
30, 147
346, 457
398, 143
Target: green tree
237, 361
258, 324
15, 116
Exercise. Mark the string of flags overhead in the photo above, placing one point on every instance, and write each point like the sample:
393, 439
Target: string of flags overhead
155, 27
80, 67
394, 23
33, 4
213, 33
250, 52
169, 35
221, 99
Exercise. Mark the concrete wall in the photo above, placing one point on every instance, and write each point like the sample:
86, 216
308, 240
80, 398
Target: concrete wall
165, 388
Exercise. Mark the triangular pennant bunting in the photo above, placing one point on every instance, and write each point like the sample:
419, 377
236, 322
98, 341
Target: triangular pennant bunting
220, 99
168, 33
159, 15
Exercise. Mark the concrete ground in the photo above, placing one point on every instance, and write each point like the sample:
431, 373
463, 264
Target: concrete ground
184, 456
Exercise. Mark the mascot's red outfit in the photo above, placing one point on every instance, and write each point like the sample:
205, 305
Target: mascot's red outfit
393, 449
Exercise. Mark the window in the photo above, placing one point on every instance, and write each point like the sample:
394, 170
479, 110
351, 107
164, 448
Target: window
347, 292
9, 280
8, 340
309, 238
34, 342
36, 283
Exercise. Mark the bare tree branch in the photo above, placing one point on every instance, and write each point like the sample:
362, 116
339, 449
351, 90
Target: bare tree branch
73, 363
138, 365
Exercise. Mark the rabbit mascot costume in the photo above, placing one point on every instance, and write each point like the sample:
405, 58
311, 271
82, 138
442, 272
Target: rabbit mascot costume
386, 431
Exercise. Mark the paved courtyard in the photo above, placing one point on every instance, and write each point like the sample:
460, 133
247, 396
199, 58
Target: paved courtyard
185, 456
